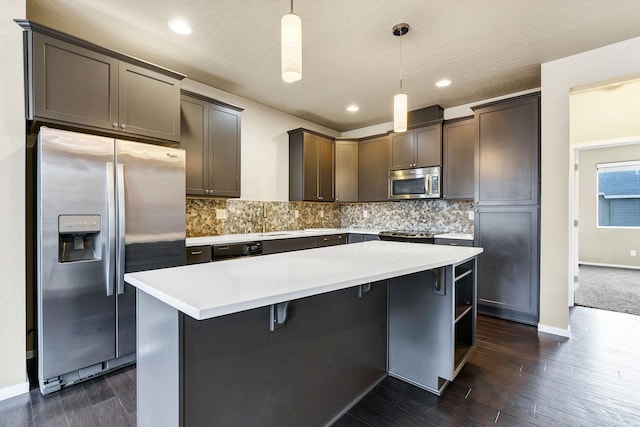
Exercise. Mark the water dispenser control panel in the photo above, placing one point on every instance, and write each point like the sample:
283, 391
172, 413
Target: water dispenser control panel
78, 238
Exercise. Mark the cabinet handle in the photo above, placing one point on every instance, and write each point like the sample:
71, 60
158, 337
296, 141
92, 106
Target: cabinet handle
320, 198
123, 126
114, 124
196, 252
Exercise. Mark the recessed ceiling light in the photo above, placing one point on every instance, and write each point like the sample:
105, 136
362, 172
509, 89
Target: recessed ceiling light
179, 26
353, 108
443, 83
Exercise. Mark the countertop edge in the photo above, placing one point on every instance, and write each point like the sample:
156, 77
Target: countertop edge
251, 303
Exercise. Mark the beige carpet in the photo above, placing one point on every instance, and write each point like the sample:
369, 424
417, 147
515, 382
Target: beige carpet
606, 288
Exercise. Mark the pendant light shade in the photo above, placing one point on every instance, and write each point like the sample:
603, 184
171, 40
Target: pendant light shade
291, 46
400, 99
400, 112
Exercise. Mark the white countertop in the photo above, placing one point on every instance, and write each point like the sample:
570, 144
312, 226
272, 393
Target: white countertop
457, 236
209, 290
310, 232
273, 235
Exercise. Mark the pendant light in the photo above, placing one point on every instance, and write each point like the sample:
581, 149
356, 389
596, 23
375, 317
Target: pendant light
400, 99
291, 46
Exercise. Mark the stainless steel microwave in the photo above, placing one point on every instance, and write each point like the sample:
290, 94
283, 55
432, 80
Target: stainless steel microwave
418, 183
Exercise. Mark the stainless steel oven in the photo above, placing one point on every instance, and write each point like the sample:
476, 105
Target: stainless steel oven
418, 183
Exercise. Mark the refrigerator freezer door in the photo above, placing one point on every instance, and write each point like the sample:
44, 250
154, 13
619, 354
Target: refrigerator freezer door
153, 206
76, 316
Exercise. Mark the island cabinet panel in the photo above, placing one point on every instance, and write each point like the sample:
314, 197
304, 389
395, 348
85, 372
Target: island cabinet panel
374, 158
211, 139
238, 372
417, 147
346, 171
77, 84
458, 148
432, 314
311, 166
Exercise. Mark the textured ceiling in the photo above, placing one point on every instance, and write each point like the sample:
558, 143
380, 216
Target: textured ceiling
486, 47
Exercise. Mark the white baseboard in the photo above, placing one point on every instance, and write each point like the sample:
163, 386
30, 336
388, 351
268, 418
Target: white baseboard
599, 264
566, 333
14, 390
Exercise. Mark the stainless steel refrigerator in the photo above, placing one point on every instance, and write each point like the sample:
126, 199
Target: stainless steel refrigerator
104, 207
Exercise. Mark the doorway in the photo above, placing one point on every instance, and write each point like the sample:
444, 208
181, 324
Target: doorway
606, 260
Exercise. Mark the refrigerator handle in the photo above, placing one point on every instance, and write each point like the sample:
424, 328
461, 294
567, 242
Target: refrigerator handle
120, 252
111, 230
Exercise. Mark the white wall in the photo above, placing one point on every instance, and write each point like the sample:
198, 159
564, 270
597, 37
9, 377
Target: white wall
265, 144
556, 250
13, 380
606, 112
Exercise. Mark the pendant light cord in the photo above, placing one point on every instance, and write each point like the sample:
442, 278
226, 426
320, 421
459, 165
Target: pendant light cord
292, 7
400, 62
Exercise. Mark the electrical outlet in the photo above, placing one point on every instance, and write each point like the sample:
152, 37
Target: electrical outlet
471, 215
632, 252
321, 213
221, 214
296, 214
365, 214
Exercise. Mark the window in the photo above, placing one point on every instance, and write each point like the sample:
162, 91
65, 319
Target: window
619, 194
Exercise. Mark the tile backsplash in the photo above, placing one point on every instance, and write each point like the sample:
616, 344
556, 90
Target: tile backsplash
206, 217
246, 216
416, 215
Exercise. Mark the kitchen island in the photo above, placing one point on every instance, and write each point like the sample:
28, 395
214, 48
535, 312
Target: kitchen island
297, 338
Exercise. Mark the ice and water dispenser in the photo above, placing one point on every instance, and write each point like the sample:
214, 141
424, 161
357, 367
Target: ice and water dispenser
79, 238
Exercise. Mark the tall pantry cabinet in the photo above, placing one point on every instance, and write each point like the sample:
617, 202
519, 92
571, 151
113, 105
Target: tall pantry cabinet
507, 207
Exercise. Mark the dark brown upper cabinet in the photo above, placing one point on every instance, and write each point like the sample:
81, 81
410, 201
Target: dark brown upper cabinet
507, 153
346, 171
458, 146
374, 157
211, 139
78, 84
417, 147
311, 166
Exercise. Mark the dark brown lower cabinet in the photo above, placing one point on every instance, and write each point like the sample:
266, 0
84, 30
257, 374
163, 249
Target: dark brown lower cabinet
508, 269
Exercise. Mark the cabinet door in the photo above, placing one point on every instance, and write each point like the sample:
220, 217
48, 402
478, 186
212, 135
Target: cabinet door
73, 85
325, 169
402, 151
346, 171
374, 156
224, 152
149, 103
311, 153
508, 269
428, 146
193, 139
507, 152
458, 146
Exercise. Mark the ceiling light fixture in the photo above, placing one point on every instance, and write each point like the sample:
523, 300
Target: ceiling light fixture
353, 108
400, 99
291, 46
179, 26
443, 83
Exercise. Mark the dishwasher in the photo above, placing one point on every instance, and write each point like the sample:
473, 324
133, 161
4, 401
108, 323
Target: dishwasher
236, 250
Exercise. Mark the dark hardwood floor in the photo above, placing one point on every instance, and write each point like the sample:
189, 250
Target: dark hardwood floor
516, 377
